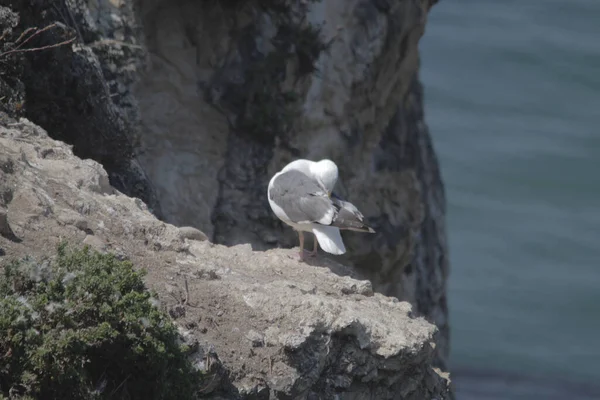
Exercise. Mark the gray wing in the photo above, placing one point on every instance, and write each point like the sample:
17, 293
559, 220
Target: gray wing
304, 200
348, 217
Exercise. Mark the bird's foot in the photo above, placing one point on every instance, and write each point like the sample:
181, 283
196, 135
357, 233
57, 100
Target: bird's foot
301, 255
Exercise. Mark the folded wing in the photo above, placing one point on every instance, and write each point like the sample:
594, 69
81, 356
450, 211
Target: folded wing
303, 200
348, 217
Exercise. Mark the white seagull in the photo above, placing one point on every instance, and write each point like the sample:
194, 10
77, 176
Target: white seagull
301, 195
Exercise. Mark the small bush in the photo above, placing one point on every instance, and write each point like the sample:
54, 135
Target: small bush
84, 327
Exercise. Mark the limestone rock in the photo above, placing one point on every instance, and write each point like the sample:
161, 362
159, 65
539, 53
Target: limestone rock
5, 229
335, 79
259, 323
80, 91
191, 106
94, 242
191, 233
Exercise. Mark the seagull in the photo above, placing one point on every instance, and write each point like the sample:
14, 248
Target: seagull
301, 195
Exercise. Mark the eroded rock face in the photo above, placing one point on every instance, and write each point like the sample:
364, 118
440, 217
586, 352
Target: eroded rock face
191, 106
81, 91
263, 324
233, 92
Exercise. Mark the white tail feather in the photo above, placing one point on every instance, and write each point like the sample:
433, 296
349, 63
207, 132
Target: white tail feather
329, 239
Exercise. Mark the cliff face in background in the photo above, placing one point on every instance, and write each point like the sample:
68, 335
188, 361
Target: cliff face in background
191, 106
234, 92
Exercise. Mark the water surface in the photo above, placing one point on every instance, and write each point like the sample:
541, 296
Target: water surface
512, 98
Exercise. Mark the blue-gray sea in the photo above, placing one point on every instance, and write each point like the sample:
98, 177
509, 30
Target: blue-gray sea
512, 98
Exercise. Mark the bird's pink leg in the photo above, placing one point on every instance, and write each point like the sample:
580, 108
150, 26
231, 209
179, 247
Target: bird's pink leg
301, 236
313, 253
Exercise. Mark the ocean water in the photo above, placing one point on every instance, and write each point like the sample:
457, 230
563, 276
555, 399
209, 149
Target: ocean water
512, 98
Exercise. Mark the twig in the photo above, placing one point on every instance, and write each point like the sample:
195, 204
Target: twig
179, 299
186, 301
75, 24
214, 324
22, 42
121, 384
25, 32
187, 292
32, 36
37, 48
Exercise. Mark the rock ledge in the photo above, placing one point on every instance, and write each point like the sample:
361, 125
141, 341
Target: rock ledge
263, 324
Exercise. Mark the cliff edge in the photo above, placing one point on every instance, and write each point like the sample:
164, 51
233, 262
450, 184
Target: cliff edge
188, 108
191, 106
264, 325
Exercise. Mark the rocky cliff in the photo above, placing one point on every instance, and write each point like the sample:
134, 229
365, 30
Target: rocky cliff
263, 324
190, 106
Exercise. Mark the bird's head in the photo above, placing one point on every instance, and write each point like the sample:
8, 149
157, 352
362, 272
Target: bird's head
327, 171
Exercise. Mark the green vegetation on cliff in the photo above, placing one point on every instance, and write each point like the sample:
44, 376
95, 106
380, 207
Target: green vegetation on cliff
83, 326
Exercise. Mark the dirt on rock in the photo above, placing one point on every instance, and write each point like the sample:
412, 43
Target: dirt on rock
263, 324
191, 106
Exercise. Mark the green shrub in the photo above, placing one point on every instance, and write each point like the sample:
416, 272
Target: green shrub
83, 326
